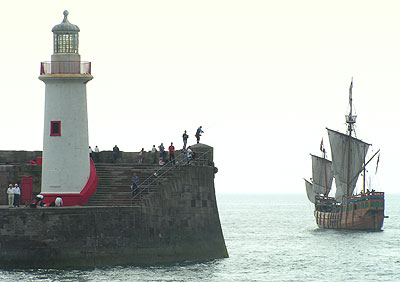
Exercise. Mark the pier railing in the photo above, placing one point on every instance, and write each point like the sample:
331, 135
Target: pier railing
199, 160
65, 67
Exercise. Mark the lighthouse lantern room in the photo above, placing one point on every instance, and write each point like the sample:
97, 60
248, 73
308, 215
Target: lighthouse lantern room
67, 168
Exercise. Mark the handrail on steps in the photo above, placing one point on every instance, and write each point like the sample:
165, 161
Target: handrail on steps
161, 171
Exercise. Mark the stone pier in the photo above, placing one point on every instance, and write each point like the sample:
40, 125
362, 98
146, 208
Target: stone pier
177, 220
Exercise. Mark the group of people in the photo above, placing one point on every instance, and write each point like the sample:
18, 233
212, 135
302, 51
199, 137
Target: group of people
94, 154
162, 156
58, 202
186, 153
14, 196
198, 133
187, 156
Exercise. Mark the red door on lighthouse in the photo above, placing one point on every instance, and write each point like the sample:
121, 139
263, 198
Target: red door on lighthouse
26, 190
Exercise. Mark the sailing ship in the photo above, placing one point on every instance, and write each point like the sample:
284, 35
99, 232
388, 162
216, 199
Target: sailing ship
347, 209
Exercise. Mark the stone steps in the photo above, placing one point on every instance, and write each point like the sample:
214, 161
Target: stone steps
114, 182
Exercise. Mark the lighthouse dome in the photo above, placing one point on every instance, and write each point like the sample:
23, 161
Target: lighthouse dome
65, 26
66, 37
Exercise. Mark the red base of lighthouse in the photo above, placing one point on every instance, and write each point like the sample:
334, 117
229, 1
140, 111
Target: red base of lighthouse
76, 199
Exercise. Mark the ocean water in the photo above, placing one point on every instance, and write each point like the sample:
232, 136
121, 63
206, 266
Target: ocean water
269, 238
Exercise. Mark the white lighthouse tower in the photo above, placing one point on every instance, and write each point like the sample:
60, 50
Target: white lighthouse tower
67, 169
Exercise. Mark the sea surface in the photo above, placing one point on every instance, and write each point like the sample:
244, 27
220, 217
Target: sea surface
269, 238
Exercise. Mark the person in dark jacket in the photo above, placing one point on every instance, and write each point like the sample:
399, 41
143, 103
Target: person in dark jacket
115, 153
198, 134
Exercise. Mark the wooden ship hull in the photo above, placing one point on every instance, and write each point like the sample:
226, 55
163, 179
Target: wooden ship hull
364, 211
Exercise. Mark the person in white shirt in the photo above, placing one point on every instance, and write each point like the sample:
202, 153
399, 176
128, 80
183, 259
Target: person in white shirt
189, 154
10, 193
96, 154
90, 152
153, 154
59, 202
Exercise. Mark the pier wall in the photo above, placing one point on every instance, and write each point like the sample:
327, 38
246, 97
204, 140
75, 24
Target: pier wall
178, 223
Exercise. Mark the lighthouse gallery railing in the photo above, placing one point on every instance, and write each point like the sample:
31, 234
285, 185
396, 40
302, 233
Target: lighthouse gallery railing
65, 67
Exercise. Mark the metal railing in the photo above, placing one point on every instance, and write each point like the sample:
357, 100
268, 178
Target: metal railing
199, 160
66, 67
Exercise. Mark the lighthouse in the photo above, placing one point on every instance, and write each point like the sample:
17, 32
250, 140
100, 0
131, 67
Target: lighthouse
67, 169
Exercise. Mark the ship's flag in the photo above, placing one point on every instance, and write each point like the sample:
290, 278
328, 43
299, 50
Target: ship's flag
377, 162
351, 91
321, 147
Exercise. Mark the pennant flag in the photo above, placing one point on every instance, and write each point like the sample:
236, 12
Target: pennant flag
321, 147
351, 91
377, 162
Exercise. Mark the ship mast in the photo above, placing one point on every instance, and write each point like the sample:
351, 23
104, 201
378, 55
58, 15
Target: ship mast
347, 154
326, 172
364, 172
350, 120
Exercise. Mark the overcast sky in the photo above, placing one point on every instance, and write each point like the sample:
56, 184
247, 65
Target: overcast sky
263, 78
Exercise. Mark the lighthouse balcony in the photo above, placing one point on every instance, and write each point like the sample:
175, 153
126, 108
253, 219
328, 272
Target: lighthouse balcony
65, 67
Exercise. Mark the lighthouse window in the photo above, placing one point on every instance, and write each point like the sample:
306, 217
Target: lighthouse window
55, 128
66, 43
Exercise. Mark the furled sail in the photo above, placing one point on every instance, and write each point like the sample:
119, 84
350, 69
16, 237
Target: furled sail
310, 191
322, 174
348, 155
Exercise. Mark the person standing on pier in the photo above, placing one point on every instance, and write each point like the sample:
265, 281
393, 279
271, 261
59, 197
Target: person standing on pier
17, 196
90, 152
10, 193
153, 154
115, 154
141, 156
161, 148
171, 149
185, 138
198, 134
96, 154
